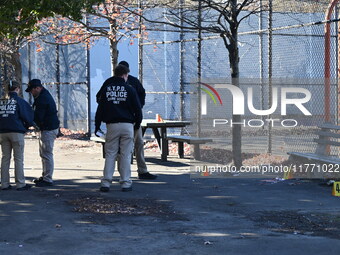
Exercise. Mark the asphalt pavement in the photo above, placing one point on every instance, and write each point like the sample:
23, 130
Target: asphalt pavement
174, 214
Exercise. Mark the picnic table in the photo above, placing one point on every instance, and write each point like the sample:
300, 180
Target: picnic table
159, 130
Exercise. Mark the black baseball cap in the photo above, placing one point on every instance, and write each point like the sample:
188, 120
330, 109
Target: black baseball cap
124, 63
33, 84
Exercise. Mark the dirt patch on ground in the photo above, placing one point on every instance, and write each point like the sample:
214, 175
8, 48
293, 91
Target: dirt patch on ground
132, 207
77, 144
220, 156
294, 222
68, 134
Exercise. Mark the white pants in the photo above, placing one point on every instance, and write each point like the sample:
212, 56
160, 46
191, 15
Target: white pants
15, 142
46, 144
139, 151
119, 136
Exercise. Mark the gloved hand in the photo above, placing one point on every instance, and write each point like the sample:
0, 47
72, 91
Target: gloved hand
36, 128
136, 127
60, 134
98, 132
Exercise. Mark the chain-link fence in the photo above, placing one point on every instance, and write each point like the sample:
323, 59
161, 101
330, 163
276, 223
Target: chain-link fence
63, 71
282, 47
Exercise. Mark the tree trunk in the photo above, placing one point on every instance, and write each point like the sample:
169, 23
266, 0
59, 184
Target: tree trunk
17, 72
113, 46
236, 128
15, 61
114, 55
11, 69
234, 71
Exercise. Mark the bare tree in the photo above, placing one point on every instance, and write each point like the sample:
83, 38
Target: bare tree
222, 17
108, 19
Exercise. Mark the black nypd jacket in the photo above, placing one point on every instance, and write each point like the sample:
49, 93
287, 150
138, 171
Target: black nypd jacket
16, 115
45, 111
118, 103
134, 82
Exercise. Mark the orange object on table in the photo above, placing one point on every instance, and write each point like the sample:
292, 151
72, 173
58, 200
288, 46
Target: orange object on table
159, 118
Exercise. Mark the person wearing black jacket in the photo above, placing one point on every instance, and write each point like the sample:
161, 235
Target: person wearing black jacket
16, 116
46, 118
142, 169
120, 109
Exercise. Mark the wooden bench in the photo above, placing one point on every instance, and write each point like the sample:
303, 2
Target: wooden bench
326, 133
196, 141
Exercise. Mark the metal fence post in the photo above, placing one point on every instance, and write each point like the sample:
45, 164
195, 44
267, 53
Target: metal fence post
181, 61
29, 55
199, 68
140, 44
88, 83
1, 77
261, 58
57, 75
337, 28
270, 69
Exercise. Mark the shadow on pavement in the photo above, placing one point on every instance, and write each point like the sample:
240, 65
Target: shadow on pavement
174, 214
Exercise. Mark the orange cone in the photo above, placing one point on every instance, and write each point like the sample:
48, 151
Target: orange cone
159, 118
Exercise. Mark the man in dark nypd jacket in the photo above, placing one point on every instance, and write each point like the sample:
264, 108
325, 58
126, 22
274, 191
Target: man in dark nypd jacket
16, 115
142, 169
120, 109
46, 118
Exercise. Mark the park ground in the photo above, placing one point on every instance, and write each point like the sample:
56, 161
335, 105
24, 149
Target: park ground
175, 214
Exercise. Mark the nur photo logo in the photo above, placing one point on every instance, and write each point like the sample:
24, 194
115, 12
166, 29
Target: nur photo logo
283, 101
212, 93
